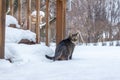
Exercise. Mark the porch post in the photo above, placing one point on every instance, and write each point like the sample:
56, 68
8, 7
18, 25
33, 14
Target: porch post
60, 23
2, 27
37, 21
29, 14
47, 24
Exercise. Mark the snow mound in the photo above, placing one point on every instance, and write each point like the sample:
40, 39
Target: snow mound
25, 53
11, 20
14, 35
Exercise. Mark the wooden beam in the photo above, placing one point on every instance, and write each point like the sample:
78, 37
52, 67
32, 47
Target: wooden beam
19, 11
29, 14
11, 7
64, 17
2, 27
47, 24
38, 21
60, 22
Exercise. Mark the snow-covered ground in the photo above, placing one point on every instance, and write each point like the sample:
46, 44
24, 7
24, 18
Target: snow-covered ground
29, 62
88, 63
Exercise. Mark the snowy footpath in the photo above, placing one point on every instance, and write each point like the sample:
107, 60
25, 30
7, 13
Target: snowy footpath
88, 63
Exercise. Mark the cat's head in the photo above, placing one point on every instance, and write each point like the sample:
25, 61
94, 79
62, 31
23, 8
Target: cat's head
74, 37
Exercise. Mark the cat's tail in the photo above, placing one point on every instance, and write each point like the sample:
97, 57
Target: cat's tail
48, 57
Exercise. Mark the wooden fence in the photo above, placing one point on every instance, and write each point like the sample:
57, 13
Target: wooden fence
60, 20
60, 16
28, 13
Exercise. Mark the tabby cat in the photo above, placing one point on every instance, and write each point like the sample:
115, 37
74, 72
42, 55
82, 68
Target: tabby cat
64, 49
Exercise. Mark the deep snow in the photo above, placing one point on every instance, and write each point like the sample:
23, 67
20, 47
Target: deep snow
88, 63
